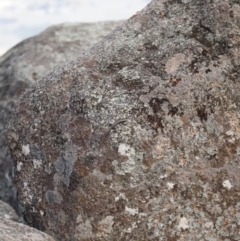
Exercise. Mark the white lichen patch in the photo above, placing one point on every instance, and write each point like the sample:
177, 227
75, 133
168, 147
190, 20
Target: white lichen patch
230, 133
209, 225
121, 195
19, 166
105, 226
163, 176
99, 175
170, 185
7, 216
79, 219
126, 150
115, 163
129, 165
183, 223
27, 193
41, 213
37, 163
25, 150
131, 211
227, 184
84, 230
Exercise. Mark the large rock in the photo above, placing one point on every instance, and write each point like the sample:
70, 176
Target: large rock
33, 59
139, 138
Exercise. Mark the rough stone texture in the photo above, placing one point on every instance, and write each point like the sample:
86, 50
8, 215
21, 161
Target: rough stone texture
7, 212
33, 59
12, 231
171, 171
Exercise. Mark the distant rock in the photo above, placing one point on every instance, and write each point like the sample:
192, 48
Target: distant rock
30, 60
139, 138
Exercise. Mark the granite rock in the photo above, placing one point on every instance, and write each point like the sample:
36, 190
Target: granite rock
138, 139
30, 60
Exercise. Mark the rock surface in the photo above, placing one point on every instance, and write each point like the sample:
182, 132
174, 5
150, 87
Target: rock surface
33, 59
139, 138
12, 231
7, 212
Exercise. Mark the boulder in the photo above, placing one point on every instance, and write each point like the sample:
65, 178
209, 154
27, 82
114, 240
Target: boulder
12, 231
30, 60
138, 139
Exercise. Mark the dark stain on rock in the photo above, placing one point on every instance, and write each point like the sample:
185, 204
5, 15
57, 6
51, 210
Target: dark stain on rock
227, 150
78, 105
156, 104
80, 131
171, 238
207, 38
128, 83
156, 122
201, 112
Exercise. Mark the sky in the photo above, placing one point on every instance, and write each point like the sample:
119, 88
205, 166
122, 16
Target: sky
20, 19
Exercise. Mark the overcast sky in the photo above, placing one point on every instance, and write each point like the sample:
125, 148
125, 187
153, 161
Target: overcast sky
20, 19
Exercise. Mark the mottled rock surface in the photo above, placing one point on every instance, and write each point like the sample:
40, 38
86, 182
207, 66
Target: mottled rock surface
33, 59
170, 170
12, 231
